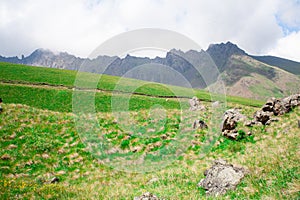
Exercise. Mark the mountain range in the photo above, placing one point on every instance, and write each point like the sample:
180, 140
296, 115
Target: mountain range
242, 74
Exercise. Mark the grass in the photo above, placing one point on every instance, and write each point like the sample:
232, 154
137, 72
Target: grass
61, 99
39, 76
40, 138
266, 90
41, 144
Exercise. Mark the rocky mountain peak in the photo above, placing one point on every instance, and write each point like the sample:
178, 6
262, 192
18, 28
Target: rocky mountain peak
226, 48
220, 53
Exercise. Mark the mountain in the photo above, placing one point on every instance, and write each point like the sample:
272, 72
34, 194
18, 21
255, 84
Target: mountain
243, 75
221, 64
221, 53
285, 64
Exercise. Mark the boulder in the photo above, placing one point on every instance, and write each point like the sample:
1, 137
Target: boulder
298, 123
231, 134
263, 117
199, 124
195, 104
147, 196
221, 177
290, 102
54, 180
230, 120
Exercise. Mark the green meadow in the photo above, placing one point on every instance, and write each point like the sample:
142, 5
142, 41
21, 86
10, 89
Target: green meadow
48, 151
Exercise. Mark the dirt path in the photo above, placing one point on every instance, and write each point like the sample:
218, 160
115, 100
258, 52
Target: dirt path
73, 88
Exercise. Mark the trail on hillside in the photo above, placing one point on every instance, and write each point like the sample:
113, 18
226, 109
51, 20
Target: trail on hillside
63, 87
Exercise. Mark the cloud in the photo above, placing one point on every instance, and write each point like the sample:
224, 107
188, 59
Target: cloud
288, 47
288, 15
79, 26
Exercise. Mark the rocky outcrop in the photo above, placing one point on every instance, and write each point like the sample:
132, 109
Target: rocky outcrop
274, 107
147, 196
195, 104
230, 121
221, 177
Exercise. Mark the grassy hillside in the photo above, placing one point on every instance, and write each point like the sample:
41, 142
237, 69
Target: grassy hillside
285, 64
38, 145
26, 84
250, 78
41, 139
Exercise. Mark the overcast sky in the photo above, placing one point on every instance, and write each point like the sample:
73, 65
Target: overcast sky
79, 26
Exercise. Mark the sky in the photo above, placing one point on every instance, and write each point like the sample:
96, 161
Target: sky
260, 27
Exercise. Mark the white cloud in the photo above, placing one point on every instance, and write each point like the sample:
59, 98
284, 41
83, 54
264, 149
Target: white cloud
288, 47
79, 26
289, 14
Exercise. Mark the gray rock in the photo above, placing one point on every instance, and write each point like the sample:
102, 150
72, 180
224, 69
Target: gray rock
230, 120
54, 180
195, 104
298, 123
275, 107
231, 134
221, 177
147, 196
199, 124
262, 116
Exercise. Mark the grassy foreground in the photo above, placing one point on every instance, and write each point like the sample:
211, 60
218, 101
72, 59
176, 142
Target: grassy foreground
37, 145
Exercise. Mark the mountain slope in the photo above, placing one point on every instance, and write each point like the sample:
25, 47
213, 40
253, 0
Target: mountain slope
188, 69
246, 77
285, 64
221, 53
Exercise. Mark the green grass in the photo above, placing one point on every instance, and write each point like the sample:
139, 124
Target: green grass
44, 139
61, 99
57, 77
15, 73
266, 92
46, 144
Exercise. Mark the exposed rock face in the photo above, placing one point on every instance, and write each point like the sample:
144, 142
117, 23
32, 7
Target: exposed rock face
274, 107
227, 58
147, 196
230, 120
195, 104
220, 53
221, 177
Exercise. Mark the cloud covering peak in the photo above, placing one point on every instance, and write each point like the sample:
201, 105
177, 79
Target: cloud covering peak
79, 26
